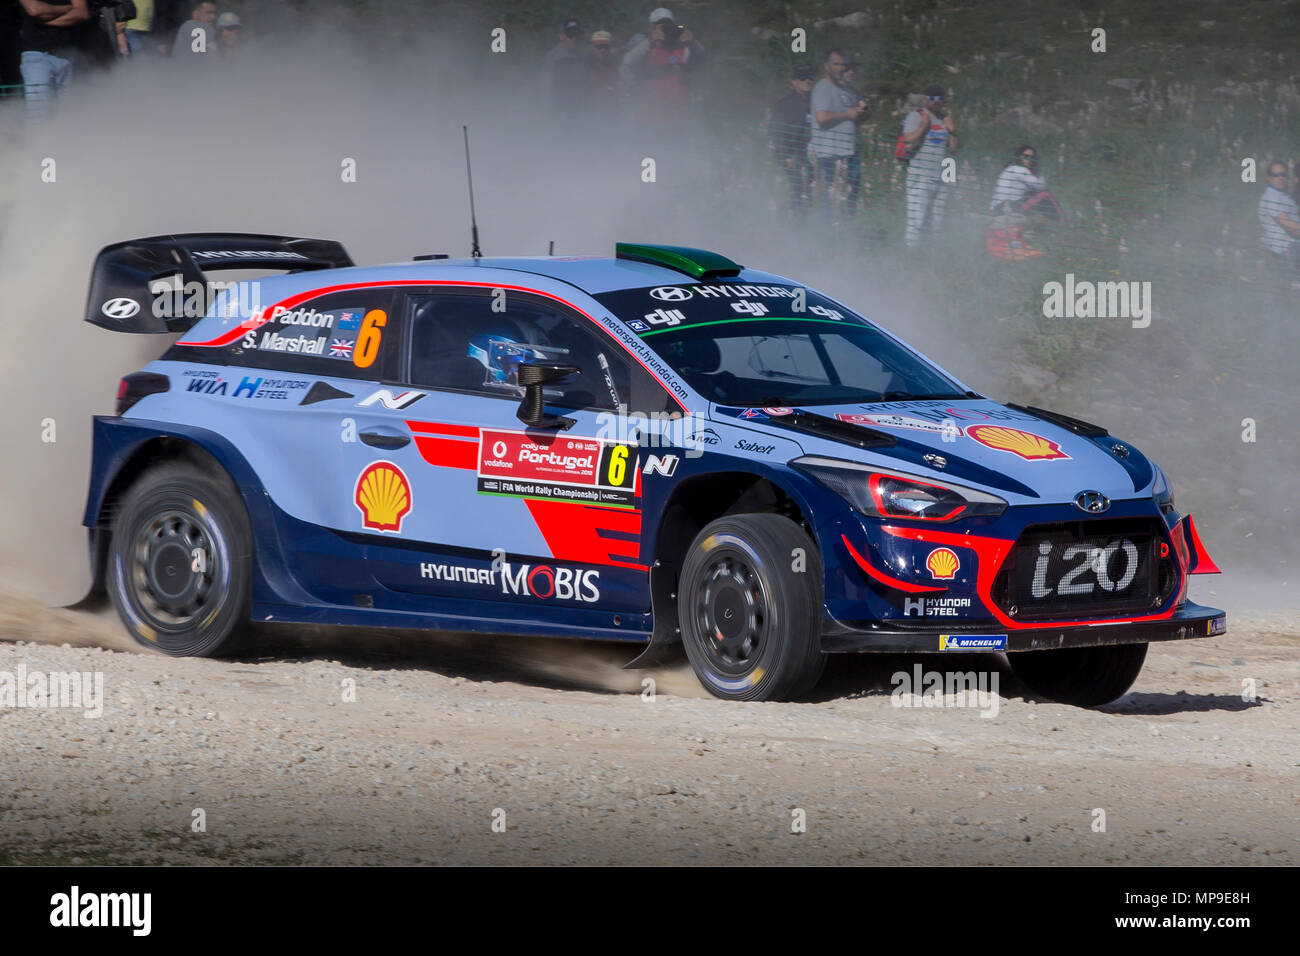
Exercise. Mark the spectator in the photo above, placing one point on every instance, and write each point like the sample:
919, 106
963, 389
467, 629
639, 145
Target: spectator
228, 35
168, 15
1016, 183
139, 29
196, 38
1019, 191
661, 69
602, 77
789, 129
1279, 217
851, 73
11, 53
836, 112
929, 130
563, 74
101, 40
48, 36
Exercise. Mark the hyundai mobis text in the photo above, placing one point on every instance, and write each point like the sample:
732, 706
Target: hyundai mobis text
661, 448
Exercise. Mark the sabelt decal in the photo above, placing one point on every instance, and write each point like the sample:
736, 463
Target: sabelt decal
943, 564
1027, 445
383, 496
556, 467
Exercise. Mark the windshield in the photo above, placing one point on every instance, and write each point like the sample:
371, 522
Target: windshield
740, 344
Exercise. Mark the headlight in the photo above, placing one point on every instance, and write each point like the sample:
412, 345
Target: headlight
1163, 493
883, 493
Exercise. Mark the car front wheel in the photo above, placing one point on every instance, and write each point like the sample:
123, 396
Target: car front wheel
749, 604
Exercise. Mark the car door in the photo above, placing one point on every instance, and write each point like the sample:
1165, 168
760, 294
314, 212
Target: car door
320, 418
503, 511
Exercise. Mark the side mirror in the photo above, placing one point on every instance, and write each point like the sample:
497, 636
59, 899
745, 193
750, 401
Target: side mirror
533, 376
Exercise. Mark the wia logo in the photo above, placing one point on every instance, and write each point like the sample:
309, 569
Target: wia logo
208, 386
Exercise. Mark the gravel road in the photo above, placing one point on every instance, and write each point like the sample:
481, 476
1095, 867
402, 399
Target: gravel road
509, 751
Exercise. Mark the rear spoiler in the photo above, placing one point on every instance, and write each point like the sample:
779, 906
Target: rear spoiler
122, 280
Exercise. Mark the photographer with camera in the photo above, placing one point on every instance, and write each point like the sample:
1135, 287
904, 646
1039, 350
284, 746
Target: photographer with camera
49, 32
660, 70
928, 134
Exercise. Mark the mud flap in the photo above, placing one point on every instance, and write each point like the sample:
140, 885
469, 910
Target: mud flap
95, 599
665, 645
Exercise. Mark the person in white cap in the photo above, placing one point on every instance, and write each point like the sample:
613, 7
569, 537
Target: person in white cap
228, 34
660, 70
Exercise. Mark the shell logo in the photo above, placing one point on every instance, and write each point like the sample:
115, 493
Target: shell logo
383, 496
943, 564
1027, 445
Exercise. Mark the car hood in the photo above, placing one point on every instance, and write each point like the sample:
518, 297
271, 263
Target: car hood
1011, 452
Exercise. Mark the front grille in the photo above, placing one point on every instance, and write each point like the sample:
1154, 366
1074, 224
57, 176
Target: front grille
1086, 569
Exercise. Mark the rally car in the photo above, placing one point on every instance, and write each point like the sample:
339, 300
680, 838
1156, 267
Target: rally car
662, 448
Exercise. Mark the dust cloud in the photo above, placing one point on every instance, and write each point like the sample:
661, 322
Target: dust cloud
154, 148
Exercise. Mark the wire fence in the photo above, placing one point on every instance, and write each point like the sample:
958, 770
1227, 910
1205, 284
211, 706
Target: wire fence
1196, 238
1170, 227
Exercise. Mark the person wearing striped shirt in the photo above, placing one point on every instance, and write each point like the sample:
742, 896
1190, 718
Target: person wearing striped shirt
931, 132
1279, 217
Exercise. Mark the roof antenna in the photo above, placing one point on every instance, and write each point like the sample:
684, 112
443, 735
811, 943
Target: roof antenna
551, 250
474, 251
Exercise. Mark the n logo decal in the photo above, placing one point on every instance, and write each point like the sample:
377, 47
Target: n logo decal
660, 465
389, 400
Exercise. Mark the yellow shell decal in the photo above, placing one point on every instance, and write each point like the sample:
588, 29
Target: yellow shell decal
1027, 445
943, 563
383, 496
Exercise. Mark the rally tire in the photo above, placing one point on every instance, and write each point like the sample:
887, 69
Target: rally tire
180, 562
749, 605
1082, 676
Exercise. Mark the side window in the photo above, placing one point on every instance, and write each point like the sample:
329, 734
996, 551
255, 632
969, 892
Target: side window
458, 341
352, 334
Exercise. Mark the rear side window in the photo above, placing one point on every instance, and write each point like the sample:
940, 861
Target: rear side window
353, 334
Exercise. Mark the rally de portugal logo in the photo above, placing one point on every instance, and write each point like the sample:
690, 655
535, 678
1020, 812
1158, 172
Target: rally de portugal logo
383, 496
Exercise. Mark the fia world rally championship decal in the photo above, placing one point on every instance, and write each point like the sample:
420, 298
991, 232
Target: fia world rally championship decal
556, 468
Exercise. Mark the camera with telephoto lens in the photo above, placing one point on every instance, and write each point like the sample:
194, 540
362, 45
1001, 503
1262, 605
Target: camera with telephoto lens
672, 32
119, 10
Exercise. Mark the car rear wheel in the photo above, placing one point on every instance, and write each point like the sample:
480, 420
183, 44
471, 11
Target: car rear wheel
1083, 676
180, 562
749, 603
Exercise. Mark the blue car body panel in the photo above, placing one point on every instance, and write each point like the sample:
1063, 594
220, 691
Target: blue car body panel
378, 502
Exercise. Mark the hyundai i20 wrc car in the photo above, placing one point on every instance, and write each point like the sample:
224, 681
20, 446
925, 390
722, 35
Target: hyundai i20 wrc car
662, 448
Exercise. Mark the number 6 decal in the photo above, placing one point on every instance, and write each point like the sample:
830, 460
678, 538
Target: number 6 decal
367, 348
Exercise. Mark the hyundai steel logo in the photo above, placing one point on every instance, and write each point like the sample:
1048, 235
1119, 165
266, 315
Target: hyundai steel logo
671, 293
122, 308
1093, 502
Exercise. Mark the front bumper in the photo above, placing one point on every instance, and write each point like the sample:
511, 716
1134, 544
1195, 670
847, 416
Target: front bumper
1189, 621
